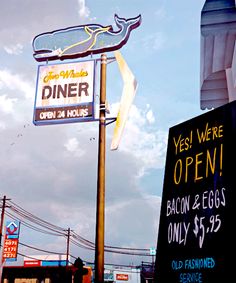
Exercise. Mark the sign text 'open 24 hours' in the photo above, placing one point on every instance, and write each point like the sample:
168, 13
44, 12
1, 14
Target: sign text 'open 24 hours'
65, 93
195, 234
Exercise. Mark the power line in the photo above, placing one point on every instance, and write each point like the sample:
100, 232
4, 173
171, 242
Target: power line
39, 225
35, 228
41, 250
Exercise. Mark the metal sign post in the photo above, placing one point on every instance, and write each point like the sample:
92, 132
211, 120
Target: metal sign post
100, 216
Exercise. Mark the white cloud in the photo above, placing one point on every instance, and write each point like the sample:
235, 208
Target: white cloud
154, 41
143, 207
72, 145
6, 104
84, 11
14, 49
150, 117
146, 145
160, 13
2, 125
16, 82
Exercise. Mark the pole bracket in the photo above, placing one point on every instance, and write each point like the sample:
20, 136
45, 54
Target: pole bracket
105, 106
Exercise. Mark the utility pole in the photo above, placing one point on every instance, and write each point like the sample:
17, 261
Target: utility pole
1, 228
68, 247
100, 216
2, 217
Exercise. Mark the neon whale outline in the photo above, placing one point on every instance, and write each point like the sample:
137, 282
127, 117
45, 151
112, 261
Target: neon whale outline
83, 40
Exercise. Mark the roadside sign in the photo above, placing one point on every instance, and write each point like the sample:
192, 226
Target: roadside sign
12, 229
10, 249
195, 238
11, 241
32, 263
122, 277
46, 260
65, 93
83, 40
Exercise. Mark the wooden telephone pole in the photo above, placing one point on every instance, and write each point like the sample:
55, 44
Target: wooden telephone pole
100, 216
2, 217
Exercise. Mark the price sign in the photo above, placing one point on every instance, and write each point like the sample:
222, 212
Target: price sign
11, 240
10, 249
196, 236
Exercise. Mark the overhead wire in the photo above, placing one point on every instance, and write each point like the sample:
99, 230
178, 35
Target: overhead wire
41, 250
20, 211
35, 228
46, 227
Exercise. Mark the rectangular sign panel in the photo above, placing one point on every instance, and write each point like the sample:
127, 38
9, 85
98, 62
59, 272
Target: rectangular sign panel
32, 263
46, 260
196, 237
122, 277
11, 240
53, 263
10, 249
65, 93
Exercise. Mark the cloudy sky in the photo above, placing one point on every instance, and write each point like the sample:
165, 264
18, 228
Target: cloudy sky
51, 171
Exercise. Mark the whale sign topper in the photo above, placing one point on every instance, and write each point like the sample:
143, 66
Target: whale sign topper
83, 40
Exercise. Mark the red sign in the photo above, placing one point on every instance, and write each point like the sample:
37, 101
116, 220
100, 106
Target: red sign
122, 277
10, 248
32, 263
